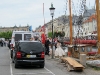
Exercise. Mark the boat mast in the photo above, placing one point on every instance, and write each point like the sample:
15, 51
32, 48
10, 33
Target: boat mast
70, 12
98, 22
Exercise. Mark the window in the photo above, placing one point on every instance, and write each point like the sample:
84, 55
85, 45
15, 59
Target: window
18, 37
31, 46
27, 36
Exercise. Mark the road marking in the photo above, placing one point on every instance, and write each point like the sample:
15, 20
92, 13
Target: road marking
11, 69
49, 71
10, 65
31, 73
9, 54
34, 73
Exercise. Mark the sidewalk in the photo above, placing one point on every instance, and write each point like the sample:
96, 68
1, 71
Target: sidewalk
87, 71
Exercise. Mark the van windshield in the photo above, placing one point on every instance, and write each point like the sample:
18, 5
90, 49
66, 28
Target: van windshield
31, 46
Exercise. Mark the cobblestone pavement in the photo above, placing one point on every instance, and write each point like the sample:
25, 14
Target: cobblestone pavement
62, 67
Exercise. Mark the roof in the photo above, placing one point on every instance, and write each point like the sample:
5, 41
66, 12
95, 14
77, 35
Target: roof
21, 31
90, 19
88, 12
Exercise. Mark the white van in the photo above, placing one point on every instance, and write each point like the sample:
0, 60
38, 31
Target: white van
21, 35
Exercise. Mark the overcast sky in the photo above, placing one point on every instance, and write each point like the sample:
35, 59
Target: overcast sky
23, 12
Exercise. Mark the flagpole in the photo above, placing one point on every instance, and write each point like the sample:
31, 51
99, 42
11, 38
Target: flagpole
44, 18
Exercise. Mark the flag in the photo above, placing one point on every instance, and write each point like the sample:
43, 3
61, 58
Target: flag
43, 28
30, 28
43, 38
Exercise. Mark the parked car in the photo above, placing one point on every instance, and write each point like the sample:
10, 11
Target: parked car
28, 53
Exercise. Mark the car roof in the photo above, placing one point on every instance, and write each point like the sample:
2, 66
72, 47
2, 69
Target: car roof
17, 32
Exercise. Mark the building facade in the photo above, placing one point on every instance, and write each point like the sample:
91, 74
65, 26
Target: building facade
61, 23
15, 28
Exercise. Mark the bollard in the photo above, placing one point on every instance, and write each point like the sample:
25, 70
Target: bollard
83, 59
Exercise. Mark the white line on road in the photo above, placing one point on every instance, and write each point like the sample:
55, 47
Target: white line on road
49, 71
32, 73
9, 54
11, 69
10, 65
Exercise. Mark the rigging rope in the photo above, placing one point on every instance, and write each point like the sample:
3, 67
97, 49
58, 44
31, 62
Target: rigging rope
64, 18
81, 5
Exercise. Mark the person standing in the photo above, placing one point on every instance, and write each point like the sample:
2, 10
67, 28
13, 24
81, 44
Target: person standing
2, 42
47, 43
59, 52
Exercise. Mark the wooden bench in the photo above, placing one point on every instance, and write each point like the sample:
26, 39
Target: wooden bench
72, 64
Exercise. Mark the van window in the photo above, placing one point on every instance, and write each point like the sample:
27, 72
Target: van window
31, 46
18, 37
27, 36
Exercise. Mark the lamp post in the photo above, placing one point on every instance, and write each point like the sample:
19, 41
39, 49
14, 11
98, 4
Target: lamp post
52, 14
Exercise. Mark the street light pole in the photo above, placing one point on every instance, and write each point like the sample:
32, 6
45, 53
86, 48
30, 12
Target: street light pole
52, 14
52, 38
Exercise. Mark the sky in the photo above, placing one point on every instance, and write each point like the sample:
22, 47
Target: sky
23, 12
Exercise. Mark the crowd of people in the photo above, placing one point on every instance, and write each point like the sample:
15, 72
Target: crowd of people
57, 49
5, 43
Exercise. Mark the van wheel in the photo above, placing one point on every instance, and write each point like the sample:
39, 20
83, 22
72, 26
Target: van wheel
42, 66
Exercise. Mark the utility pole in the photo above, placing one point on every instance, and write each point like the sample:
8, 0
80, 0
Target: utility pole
70, 21
98, 22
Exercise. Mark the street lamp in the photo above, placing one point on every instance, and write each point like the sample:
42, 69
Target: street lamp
52, 14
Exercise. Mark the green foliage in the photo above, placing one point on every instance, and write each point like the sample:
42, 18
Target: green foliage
56, 34
60, 34
50, 34
6, 35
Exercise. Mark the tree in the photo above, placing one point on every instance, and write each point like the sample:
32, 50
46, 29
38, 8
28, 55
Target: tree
50, 34
6, 35
56, 34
